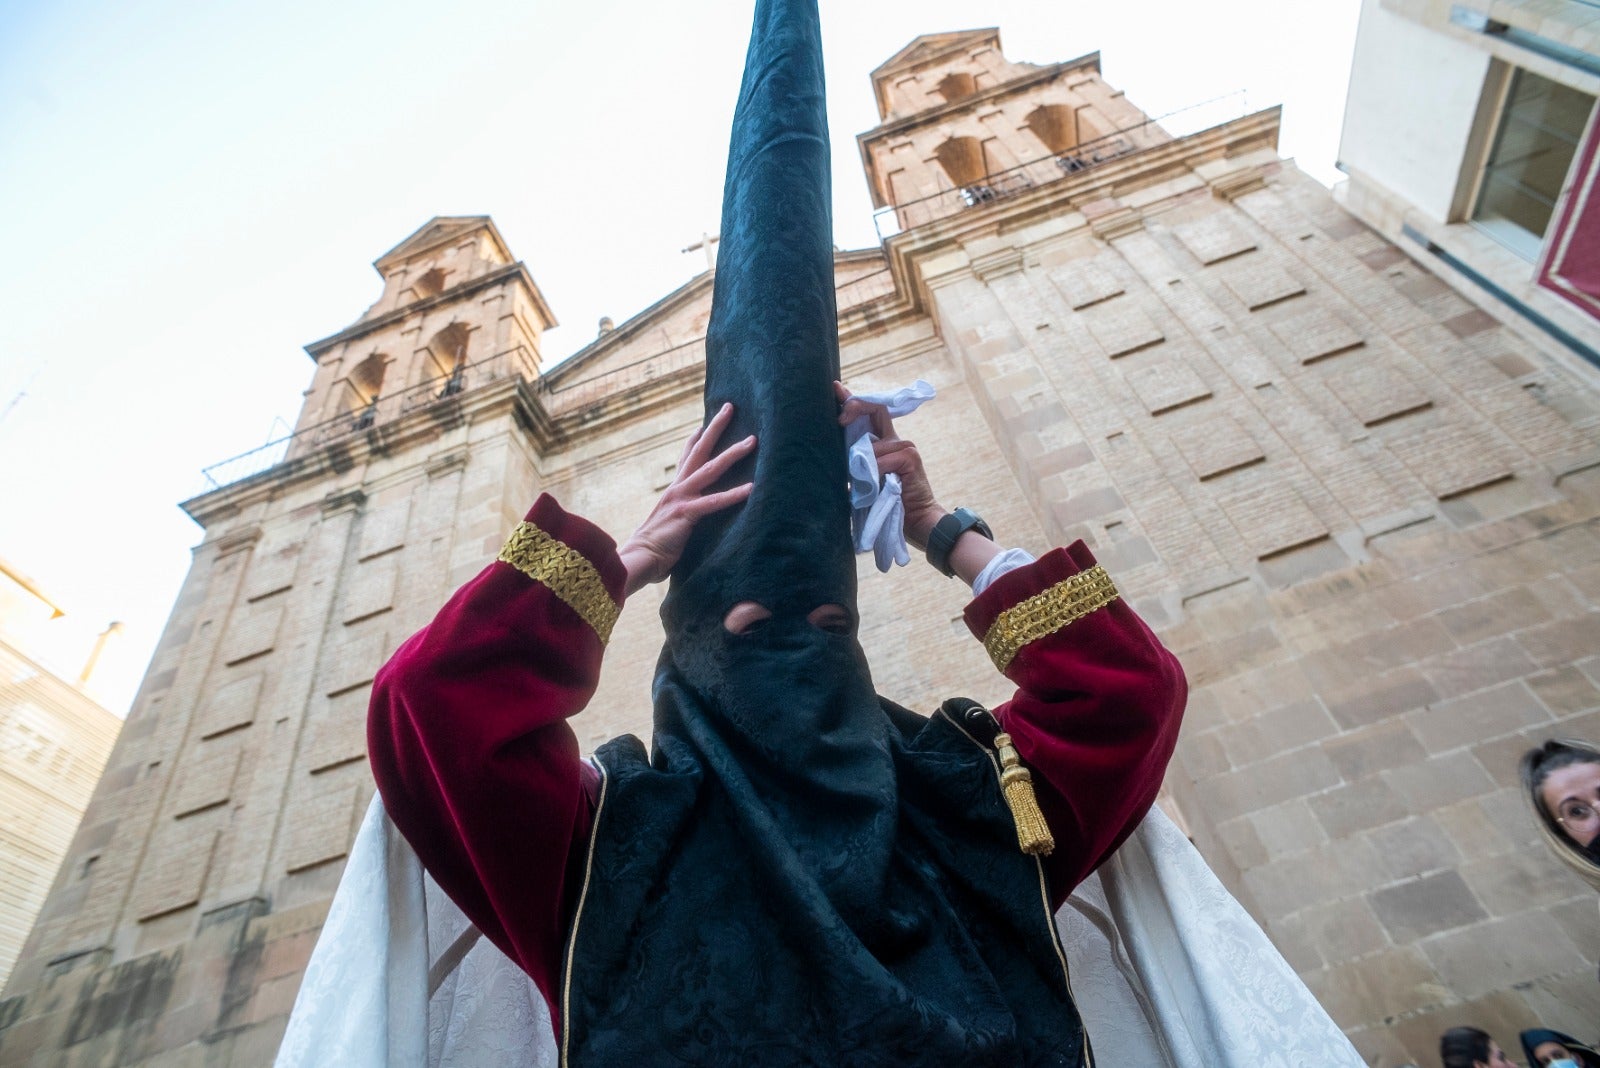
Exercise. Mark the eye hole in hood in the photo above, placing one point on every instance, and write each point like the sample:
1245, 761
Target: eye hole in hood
833, 618
747, 617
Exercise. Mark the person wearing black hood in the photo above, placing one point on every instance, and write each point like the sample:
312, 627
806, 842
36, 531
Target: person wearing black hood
798, 872
1552, 1049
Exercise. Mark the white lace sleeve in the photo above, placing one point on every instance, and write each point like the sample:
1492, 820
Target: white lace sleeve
399, 980
1170, 969
370, 968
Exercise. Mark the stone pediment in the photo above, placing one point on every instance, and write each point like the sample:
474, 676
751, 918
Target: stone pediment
931, 45
439, 230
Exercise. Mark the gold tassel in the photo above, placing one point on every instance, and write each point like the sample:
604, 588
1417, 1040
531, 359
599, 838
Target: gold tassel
1033, 833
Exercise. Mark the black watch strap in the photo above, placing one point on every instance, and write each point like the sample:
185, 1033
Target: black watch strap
947, 531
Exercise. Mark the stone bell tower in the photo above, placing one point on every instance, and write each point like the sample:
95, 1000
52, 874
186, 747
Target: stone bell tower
963, 125
192, 893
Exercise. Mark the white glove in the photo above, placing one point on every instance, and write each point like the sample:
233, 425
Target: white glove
877, 514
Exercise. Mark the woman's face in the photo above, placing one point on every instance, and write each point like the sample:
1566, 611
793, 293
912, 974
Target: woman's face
1572, 797
1545, 1052
1497, 1057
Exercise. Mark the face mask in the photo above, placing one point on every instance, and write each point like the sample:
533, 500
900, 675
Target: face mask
1563, 1062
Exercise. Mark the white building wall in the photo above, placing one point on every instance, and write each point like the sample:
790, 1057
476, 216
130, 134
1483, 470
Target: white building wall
1412, 105
1422, 107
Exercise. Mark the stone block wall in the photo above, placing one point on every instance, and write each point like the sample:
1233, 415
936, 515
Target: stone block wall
1364, 515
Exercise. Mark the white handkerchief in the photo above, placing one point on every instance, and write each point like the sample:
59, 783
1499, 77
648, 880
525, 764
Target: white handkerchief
878, 515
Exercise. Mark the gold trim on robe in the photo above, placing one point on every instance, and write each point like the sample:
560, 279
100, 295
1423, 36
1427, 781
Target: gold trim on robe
566, 573
1047, 612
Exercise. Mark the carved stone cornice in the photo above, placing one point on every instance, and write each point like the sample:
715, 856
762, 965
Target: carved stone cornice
1114, 221
998, 263
340, 502
236, 540
443, 463
921, 259
387, 439
1237, 183
919, 255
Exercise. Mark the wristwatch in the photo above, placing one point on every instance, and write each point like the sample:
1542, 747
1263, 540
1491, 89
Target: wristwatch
947, 531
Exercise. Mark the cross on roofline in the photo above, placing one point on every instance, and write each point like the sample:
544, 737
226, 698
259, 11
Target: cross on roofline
707, 242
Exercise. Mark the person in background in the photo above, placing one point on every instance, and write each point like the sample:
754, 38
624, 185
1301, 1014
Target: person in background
1561, 779
1468, 1047
1552, 1049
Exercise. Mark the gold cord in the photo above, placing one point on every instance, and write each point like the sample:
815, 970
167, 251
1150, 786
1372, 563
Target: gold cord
1033, 833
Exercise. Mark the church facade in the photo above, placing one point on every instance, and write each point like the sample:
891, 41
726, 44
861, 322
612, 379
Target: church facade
1361, 511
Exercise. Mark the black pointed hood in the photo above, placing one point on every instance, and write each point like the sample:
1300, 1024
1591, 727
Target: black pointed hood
772, 346
784, 718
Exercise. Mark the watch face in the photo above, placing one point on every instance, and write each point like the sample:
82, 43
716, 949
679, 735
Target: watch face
970, 520
947, 531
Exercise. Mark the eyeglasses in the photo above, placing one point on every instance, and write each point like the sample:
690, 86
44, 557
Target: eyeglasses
1576, 813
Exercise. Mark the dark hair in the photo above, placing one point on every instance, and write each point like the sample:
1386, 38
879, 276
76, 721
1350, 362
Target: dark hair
1459, 1047
1539, 762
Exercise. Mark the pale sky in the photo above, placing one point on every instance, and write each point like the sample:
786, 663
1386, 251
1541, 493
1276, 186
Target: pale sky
194, 191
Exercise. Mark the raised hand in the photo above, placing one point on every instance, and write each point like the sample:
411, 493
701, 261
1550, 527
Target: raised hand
896, 455
652, 550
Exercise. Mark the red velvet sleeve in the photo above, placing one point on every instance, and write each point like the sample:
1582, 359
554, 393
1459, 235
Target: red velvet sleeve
468, 737
1097, 707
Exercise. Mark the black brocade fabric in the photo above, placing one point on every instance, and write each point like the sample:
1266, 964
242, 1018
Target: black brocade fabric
796, 875
703, 940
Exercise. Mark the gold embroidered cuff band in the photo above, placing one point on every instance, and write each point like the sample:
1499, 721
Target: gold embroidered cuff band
568, 575
1045, 613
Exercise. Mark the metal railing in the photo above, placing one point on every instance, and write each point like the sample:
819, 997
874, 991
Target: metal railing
1001, 185
864, 288
381, 410
561, 398
566, 397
